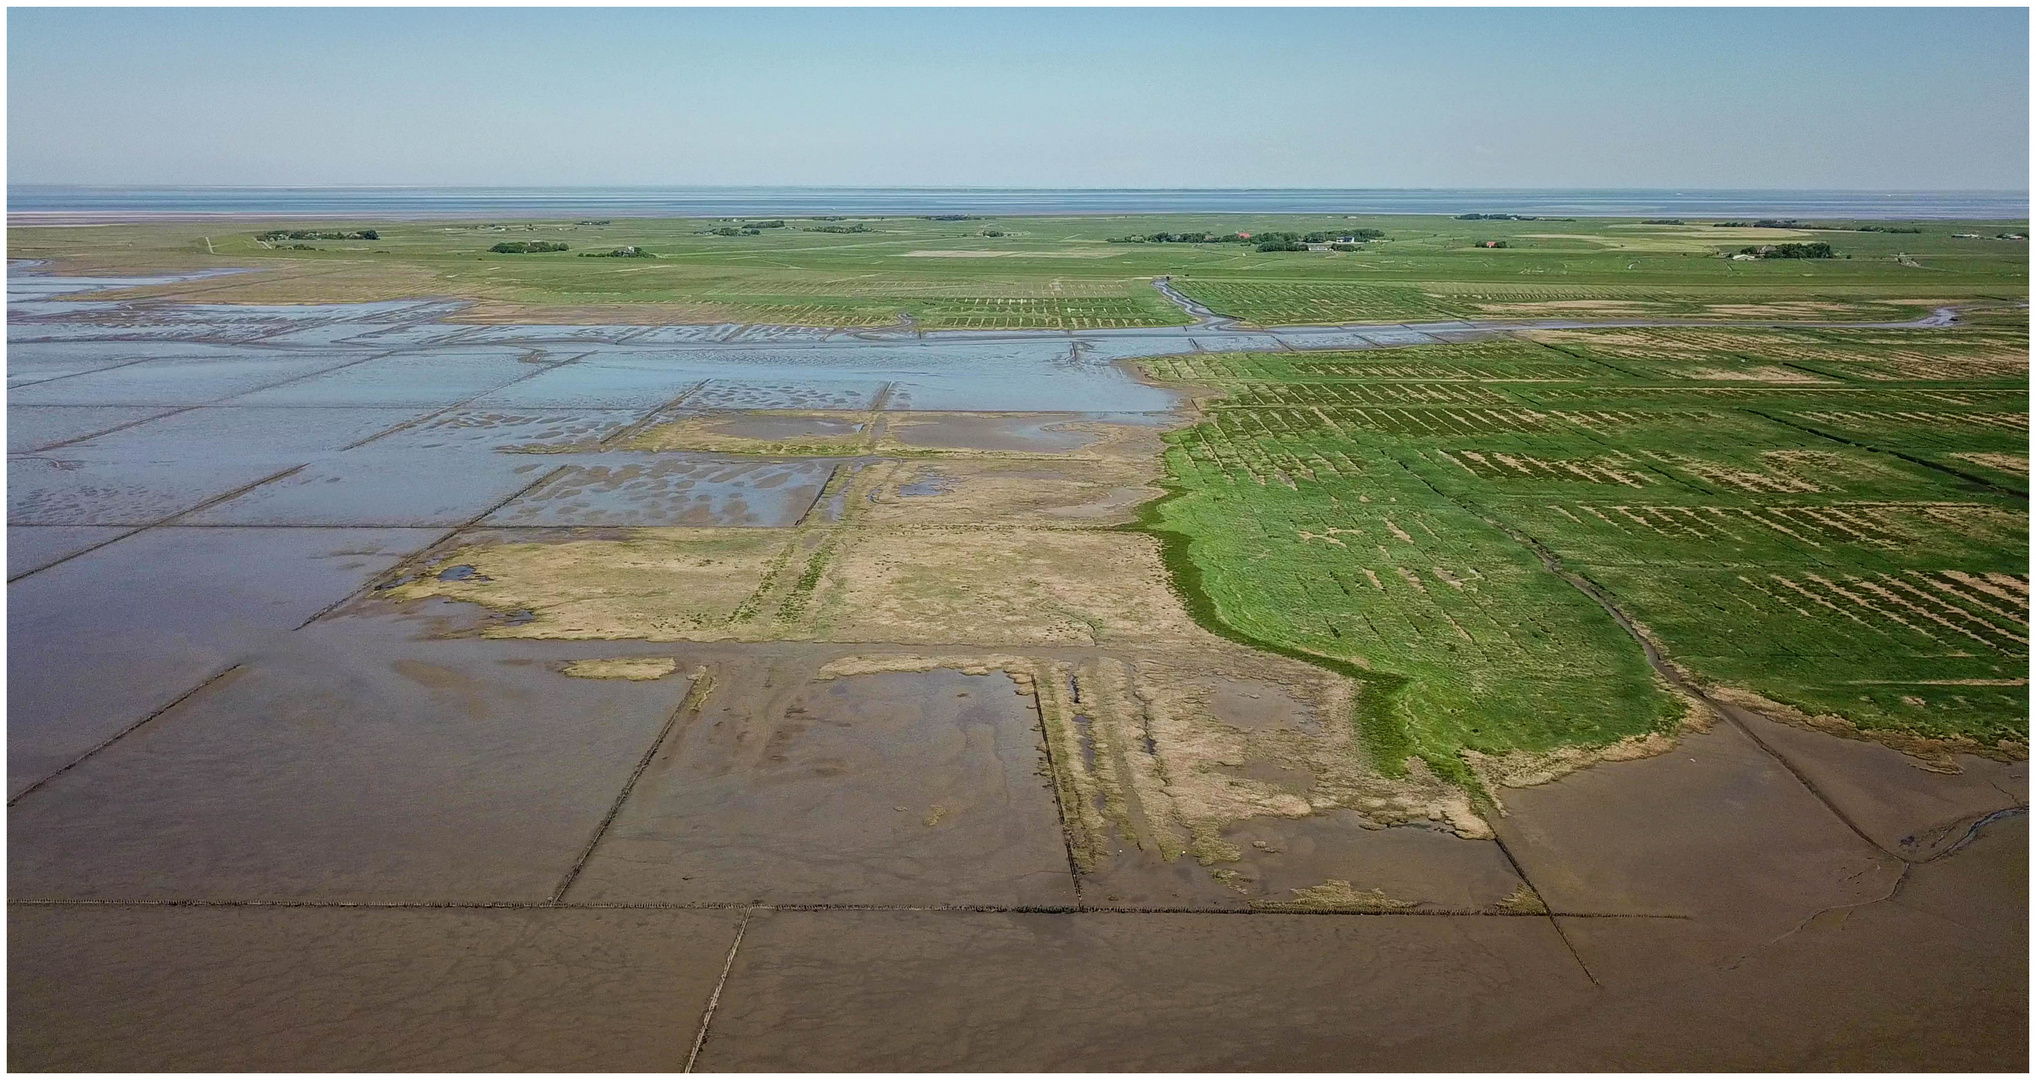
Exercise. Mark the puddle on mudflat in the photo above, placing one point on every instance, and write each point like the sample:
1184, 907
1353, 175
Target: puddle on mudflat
65, 490
1011, 433
484, 429
370, 486
808, 393
666, 491
1258, 706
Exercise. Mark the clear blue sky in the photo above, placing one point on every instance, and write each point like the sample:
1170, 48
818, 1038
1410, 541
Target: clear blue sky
1795, 98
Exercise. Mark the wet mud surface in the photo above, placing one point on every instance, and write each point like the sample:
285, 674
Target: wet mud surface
1715, 830
462, 771
894, 788
393, 693
281, 989
1148, 992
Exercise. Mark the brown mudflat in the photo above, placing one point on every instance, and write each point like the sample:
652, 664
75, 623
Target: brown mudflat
117, 989
890, 788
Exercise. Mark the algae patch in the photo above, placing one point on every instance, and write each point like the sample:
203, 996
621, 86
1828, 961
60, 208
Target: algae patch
1335, 895
633, 668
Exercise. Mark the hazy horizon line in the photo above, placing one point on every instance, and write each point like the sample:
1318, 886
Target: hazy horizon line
11, 185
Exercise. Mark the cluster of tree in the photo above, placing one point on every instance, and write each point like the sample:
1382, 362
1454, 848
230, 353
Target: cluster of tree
307, 234
746, 228
1346, 239
630, 252
1887, 229
950, 217
993, 232
1496, 217
1265, 241
603, 221
1819, 250
1490, 244
857, 227
1664, 221
526, 247
1179, 238
1763, 223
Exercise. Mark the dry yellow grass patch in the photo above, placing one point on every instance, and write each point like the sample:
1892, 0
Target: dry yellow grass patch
1755, 374
1788, 309
633, 668
782, 431
1608, 308
1016, 434
654, 584
1717, 233
297, 282
2014, 463
831, 433
1205, 746
1630, 338
646, 313
1017, 586
964, 492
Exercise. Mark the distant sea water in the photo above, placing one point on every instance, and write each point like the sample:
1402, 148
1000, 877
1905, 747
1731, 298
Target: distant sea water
810, 201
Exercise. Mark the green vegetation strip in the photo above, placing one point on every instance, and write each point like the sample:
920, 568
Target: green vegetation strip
1067, 273
1378, 514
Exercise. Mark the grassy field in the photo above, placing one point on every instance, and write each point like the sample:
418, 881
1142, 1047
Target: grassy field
1833, 520
1063, 273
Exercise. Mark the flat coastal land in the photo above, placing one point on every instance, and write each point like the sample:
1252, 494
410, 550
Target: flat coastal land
1370, 642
